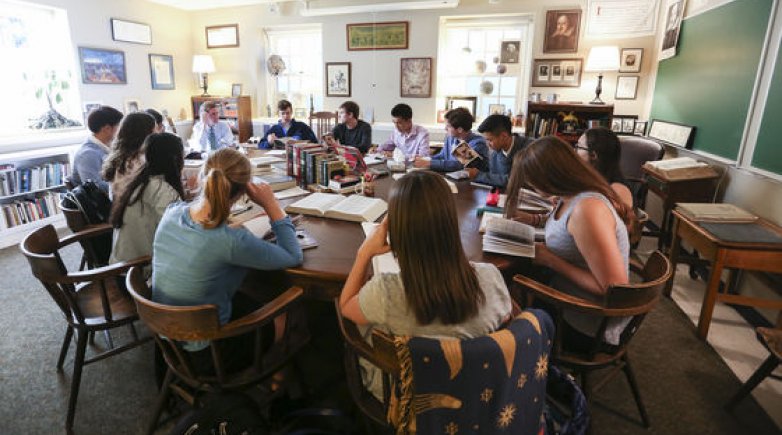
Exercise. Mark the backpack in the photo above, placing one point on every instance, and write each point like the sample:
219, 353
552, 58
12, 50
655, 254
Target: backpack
95, 206
225, 413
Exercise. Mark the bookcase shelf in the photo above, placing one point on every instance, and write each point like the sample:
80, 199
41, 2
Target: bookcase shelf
548, 119
29, 183
237, 111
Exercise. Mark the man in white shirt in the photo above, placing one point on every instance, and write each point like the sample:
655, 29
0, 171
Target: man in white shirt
209, 133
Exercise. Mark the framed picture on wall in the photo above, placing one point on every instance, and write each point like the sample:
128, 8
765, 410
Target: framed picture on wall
130, 31
100, 66
337, 79
222, 36
557, 72
626, 87
132, 105
236, 89
672, 133
392, 35
496, 109
562, 31
509, 51
640, 128
416, 77
161, 71
630, 60
469, 103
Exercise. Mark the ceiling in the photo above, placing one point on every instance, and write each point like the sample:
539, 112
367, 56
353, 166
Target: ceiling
315, 7
193, 5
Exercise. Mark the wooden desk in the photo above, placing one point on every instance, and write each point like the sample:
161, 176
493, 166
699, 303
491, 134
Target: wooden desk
673, 191
757, 256
325, 268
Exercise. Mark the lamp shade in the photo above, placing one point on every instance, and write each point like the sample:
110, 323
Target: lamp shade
203, 63
603, 58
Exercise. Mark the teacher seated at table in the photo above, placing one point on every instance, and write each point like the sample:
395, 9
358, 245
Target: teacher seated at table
287, 127
209, 133
411, 139
437, 293
458, 125
586, 238
351, 130
198, 259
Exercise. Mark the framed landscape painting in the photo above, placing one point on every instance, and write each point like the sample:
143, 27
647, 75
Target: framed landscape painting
99, 66
392, 35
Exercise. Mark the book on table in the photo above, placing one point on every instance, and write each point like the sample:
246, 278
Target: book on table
277, 181
681, 168
385, 263
708, 212
353, 208
504, 236
262, 228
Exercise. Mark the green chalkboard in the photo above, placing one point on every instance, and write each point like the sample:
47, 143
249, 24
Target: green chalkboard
709, 82
768, 148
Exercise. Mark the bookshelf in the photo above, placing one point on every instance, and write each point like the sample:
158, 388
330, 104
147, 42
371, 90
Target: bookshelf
237, 111
549, 119
31, 183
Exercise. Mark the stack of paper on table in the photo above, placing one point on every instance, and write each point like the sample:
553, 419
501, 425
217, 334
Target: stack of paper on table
353, 208
705, 212
504, 236
385, 263
681, 168
290, 193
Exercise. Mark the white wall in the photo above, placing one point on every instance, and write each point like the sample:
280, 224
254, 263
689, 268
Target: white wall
171, 34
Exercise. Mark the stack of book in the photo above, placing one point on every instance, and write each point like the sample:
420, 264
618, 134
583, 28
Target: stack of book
681, 168
705, 212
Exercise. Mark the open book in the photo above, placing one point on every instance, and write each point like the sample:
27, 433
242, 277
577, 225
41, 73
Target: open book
262, 228
705, 212
540, 233
504, 236
385, 263
529, 201
353, 208
467, 156
681, 168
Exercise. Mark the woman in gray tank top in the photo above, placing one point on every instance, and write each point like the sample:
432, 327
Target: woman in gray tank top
586, 238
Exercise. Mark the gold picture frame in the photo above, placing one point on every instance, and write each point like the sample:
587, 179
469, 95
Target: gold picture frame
390, 35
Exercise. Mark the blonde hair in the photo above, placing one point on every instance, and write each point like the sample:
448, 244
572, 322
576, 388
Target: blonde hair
224, 175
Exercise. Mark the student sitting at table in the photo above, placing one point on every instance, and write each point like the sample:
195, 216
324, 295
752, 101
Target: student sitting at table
351, 130
126, 156
135, 215
198, 259
438, 292
411, 139
458, 125
103, 122
209, 133
586, 239
287, 127
504, 146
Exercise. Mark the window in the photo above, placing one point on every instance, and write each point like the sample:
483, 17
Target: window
302, 80
38, 74
467, 44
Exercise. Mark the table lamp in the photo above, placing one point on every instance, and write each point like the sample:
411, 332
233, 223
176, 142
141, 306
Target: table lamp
203, 65
602, 58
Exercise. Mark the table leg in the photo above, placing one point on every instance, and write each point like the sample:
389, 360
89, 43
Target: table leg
710, 298
665, 228
673, 256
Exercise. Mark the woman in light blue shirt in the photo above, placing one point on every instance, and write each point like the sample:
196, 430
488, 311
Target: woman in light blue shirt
198, 259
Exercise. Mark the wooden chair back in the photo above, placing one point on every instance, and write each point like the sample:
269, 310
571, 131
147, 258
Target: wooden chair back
322, 123
173, 324
77, 222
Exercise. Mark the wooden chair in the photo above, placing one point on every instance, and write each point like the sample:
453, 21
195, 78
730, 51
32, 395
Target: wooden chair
91, 301
322, 123
633, 300
172, 324
383, 354
635, 152
94, 248
772, 340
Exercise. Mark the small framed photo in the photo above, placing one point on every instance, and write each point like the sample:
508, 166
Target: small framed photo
640, 128
415, 80
469, 103
509, 51
130, 31
99, 66
89, 106
222, 36
626, 87
630, 60
300, 113
441, 116
616, 124
562, 31
672, 133
132, 105
337, 79
236, 89
496, 109
161, 71
628, 125
557, 72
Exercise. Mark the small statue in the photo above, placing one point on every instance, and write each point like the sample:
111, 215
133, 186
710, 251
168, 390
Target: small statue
268, 111
569, 122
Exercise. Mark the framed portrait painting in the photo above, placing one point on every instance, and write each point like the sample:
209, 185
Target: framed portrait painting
630, 60
416, 77
338, 79
562, 28
510, 51
99, 66
392, 35
161, 71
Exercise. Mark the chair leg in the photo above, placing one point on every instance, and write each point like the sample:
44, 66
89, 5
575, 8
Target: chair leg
636, 392
78, 364
92, 338
109, 341
66, 343
765, 369
165, 393
83, 262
